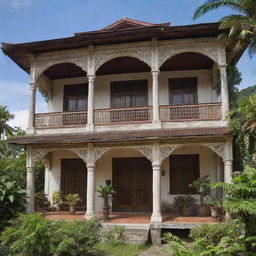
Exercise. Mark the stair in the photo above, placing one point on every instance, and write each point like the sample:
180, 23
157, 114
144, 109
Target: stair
134, 233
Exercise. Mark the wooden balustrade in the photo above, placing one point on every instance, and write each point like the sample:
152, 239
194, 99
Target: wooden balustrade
205, 111
123, 115
60, 119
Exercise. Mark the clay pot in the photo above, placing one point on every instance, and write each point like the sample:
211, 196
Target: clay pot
188, 211
105, 212
214, 211
203, 211
72, 209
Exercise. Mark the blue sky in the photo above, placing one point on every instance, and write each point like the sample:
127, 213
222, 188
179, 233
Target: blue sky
33, 20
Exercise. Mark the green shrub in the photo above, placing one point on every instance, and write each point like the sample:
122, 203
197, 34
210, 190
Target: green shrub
41, 202
12, 200
29, 235
75, 238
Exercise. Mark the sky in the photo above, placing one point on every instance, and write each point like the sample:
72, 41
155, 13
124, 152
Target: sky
34, 20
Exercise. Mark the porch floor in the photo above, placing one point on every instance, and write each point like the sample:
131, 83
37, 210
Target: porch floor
130, 218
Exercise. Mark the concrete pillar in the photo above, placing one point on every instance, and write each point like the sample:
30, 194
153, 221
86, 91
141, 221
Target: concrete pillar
90, 110
32, 106
228, 159
155, 101
90, 211
30, 189
156, 214
224, 90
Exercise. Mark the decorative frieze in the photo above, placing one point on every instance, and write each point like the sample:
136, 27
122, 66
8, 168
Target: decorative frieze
37, 154
99, 152
165, 151
218, 148
143, 54
81, 152
147, 151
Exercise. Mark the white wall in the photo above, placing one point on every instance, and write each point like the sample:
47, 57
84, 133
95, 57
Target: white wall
208, 166
102, 87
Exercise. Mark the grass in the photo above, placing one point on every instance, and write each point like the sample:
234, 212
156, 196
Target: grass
120, 249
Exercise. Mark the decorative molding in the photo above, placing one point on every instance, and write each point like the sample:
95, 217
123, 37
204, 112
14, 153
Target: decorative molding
210, 51
165, 151
81, 152
99, 152
147, 151
44, 64
217, 148
37, 154
143, 54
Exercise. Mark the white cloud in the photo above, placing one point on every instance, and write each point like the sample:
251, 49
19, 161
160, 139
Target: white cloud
17, 3
20, 120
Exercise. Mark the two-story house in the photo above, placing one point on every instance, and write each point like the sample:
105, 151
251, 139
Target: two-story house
134, 104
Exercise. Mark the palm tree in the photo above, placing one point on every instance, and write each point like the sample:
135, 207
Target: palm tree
241, 26
5, 116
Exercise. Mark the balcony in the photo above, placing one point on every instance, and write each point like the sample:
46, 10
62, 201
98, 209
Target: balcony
177, 113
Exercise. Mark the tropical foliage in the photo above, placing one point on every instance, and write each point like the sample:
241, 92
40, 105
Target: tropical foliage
5, 116
240, 26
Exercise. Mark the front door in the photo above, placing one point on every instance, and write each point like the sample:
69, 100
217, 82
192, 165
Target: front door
74, 178
132, 182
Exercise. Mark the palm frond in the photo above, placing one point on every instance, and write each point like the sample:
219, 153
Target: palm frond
211, 5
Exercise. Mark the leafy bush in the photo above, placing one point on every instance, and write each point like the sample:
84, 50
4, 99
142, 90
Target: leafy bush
184, 201
41, 202
29, 235
12, 199
213, 240
32, 235
75, 238
72, 199
57, 197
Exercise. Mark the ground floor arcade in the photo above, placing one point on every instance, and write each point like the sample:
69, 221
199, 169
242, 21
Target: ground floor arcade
146, 175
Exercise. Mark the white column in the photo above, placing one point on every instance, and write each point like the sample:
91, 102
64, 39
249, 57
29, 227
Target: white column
155, 99
224, 90
32, 106
228, 159
90, 110
30, 189
90, 211
156, 214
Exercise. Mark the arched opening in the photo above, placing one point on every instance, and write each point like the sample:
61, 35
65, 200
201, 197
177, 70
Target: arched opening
186, 164
65, 171
187, 61
70, 97
127, 80
122, 65
130, 174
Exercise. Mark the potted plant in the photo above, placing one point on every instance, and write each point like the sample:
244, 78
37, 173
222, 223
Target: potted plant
72, 200
57, 199
203, 188
41, 202
106, 193
215, 206
185, 205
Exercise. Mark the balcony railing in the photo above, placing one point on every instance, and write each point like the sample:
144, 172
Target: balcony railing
205, 111
60, 119
123, 115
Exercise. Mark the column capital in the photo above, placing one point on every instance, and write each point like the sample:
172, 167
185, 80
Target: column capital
91, 167
33, 85
222, 66
156, 165
30, 168
91, 78
155, 73
228, 161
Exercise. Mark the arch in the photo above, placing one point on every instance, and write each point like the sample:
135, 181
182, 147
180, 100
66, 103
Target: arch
168, 149
144, 55
187, 61
167, 53
123, 65
38, 154
41, 66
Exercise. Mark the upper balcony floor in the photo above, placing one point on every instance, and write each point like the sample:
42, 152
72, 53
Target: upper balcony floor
135, 87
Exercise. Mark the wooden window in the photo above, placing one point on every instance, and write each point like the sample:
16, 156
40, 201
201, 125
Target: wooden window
129, 94
183, 91
75, 97
184, 169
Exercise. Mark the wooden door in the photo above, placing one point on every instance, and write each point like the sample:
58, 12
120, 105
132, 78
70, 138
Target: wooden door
184, 169
132, 181
74, 178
